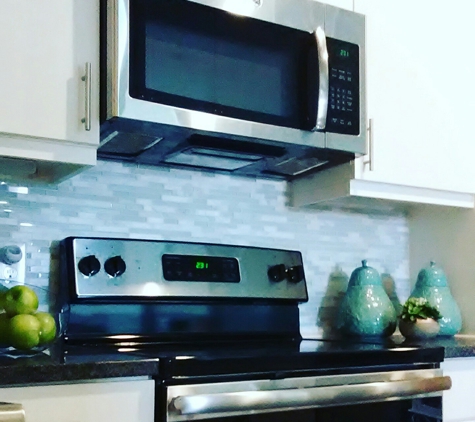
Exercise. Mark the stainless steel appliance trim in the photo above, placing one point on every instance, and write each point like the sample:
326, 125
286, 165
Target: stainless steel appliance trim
349, 26
323, 89
11, 412
230, 399
87, 96
144, 273
252, 401
114, 30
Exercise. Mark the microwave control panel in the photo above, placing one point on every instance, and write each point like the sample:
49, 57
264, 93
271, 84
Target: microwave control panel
344, 93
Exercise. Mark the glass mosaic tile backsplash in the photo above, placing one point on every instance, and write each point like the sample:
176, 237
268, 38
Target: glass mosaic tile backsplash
129, 201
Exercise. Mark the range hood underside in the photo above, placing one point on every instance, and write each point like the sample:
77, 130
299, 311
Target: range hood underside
173, 146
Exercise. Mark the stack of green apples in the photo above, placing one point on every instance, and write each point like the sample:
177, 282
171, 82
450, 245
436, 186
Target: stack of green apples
21, 325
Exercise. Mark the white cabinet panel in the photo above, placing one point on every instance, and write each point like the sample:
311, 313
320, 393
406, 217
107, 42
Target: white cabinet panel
44, 48
458, 404
120, 401
420, 93
420, 98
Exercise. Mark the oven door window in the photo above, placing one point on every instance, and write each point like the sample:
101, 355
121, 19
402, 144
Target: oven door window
197, 57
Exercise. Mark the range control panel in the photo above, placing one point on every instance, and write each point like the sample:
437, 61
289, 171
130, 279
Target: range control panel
344, 88
126, 269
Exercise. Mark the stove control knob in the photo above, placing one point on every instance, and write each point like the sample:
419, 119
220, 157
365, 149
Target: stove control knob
277, 272
295, 274
115, 266
89, 265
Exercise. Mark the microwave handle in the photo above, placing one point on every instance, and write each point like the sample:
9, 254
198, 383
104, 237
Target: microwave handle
323, 79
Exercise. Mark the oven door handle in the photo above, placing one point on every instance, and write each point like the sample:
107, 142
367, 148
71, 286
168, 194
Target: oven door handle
235, 403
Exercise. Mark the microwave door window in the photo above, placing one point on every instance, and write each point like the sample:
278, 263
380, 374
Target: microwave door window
196, 57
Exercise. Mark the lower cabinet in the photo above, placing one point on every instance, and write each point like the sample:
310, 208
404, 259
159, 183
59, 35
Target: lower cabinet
105, 400
458, 403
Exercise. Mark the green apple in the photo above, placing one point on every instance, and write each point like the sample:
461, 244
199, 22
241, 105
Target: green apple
2, 299
47, 327
20, 300
24, 331
4, 322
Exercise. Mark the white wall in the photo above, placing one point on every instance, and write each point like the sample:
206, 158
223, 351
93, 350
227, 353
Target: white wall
447, 236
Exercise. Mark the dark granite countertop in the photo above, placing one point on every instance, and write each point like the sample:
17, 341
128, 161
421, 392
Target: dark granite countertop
459, 346
53, 366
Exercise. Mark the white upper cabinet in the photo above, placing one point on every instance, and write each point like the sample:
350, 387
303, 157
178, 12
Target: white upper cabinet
421, 92
420, 102
44, 48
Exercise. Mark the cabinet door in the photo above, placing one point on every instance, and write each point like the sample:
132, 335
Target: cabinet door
44, 48
421, 93
121, 401
458, 403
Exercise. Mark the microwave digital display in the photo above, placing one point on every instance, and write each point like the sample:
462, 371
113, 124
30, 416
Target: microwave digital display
344, 53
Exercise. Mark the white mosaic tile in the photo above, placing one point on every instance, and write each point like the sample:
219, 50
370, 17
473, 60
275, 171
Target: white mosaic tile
136, 201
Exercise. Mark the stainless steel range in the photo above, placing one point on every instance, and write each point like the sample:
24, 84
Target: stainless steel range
224, 323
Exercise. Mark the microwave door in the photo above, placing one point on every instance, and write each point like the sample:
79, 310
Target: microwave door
248, 75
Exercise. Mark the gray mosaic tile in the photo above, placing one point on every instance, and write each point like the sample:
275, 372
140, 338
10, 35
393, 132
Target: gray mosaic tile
144, 202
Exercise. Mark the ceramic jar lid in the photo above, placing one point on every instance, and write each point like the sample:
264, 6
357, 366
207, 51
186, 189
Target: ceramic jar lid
432, 276
364, 275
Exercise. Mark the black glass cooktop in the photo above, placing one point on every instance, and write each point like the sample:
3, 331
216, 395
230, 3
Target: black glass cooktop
247, 360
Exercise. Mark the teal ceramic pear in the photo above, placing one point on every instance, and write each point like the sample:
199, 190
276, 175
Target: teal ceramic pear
366, 310
432, 285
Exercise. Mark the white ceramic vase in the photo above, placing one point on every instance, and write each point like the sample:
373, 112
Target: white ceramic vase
419, 329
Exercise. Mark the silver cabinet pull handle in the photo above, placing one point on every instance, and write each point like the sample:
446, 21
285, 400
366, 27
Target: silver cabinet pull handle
250, 401
370, 159
322, 106
11, 412
87, 81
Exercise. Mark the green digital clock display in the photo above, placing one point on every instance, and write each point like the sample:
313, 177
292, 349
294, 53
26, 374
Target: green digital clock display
202, 265
196, 268
343, 53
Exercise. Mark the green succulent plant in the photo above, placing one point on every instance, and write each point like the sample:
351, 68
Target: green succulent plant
419, 308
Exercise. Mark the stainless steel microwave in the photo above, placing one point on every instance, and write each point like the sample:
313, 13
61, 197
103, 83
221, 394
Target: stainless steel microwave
268, 88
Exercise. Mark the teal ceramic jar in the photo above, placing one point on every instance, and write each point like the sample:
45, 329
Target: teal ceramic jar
432, 285
366, 310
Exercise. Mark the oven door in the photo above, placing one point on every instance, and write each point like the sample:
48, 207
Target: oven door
386, 396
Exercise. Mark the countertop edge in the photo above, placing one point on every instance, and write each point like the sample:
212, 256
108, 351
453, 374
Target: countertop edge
43, 369
51, 373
